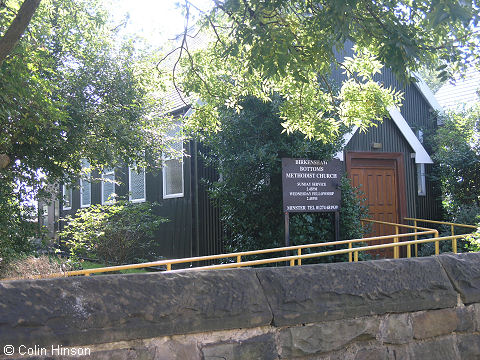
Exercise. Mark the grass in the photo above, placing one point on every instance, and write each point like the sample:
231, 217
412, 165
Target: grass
93, 265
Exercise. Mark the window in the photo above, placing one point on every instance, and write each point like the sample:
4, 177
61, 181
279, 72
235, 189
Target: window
420, 136
108, 186
173, 182
136, 184
67, 197
422, 190
45, 215
85, 186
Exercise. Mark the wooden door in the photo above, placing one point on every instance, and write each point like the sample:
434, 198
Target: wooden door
379, 180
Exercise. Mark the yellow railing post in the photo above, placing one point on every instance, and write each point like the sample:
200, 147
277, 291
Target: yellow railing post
355, 256
437, 244
239, 258
292, 262
454, 240
299, 261
350, 253
416, 237
169, 267
396, 250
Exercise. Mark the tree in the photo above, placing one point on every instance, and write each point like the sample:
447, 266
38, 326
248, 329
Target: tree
247, 153
457, 151
288, 47
70, 90
17, 27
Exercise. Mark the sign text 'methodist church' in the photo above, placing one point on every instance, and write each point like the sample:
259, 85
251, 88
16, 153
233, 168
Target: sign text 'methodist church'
311, 185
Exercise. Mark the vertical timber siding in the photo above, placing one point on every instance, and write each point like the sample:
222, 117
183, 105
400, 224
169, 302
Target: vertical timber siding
420, 116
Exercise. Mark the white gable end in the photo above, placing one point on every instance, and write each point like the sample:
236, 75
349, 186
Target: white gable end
421, 155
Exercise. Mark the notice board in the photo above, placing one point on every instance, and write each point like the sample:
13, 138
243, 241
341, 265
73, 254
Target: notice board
311, 185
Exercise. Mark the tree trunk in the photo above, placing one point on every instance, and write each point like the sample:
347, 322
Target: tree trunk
17, 27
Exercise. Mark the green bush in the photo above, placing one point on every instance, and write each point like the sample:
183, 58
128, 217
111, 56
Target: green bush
247, 153
118, 233
17, 224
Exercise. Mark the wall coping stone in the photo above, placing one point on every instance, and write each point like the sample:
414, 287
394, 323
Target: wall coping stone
111, 308
464, 273
323, 292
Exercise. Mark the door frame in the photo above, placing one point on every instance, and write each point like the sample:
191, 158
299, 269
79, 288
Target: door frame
399, 173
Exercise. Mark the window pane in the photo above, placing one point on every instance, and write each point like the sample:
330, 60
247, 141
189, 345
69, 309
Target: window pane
421, 188
45, 215
108, 187
67, 196
137, 184
86, 192
173, 177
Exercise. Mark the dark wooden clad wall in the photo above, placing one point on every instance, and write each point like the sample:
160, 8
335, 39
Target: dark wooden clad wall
419, 115
210, 229
175, 237
194, 227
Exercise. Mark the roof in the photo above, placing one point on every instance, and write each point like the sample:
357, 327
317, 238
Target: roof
175, 100
464, 91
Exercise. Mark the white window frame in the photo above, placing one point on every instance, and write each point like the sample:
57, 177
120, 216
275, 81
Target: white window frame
421, 184
103, 189
64, 191
164, 183
177, 195
420, 136
45, 215
130, 169
82, 205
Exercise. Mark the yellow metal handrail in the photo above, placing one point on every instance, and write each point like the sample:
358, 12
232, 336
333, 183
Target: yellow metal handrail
452, 229
351, 250
325, 253
396, 250
238, 255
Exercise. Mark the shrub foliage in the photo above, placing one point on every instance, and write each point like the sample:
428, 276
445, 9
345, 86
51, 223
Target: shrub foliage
119, 233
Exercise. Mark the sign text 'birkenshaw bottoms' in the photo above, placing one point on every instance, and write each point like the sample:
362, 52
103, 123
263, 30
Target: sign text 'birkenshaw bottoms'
311, 185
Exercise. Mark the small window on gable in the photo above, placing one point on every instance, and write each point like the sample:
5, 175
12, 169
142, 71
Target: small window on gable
85, 186
136, 184
108, 186
420, 136
45, 215
421, 186
173, 181
67, 192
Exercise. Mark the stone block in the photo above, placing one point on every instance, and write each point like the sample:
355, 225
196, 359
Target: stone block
372, 353
469, 346
395, 329
443, 348
434, 323
259, 347
475, 308
464, 272
323, 292
174, 350
320, 338
109, 308
465, 316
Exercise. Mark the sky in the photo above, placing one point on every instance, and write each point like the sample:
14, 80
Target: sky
156, 21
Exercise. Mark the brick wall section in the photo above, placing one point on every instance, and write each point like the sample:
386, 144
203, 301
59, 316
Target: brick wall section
426, 308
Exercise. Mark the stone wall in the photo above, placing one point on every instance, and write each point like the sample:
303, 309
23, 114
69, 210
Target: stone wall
425, 308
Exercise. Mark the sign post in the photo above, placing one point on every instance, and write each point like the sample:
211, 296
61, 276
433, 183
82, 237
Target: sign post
311, 186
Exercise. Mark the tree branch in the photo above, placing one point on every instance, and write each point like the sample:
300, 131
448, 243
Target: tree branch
17, 27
